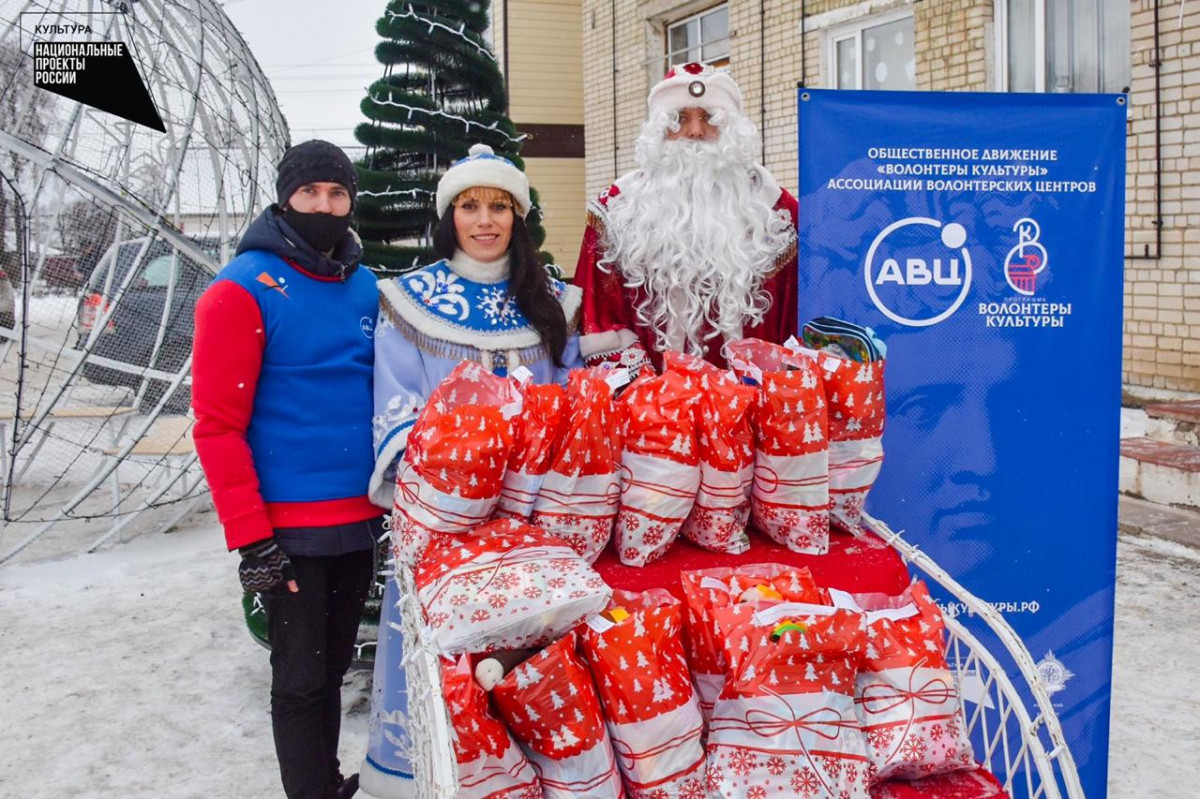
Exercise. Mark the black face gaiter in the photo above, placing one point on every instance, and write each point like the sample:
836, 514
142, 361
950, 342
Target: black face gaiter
322, 231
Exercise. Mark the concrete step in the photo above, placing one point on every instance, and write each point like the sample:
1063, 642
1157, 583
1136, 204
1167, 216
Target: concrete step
1160, 471
1174, 422
1141, 517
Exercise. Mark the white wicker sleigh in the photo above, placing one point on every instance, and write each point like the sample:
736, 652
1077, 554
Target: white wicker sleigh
1023, 747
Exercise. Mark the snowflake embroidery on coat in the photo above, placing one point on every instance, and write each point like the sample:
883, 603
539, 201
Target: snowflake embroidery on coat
440, 289
498, 308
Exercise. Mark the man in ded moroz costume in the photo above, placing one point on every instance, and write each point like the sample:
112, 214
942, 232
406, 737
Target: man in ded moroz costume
697, 246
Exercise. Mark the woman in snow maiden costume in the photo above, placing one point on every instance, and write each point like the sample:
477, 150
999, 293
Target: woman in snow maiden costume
488, 300
282, 368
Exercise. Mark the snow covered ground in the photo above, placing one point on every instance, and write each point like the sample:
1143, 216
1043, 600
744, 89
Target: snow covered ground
129, 673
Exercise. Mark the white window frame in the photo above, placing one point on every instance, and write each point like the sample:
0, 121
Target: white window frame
854, 30
669, 26
1000, 15
1039, 45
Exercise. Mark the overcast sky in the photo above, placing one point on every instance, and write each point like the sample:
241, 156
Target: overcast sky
319, 57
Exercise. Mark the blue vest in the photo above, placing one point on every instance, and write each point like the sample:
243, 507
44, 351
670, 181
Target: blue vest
310, 432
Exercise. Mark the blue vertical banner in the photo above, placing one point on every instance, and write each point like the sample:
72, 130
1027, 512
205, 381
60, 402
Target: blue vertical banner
981, 236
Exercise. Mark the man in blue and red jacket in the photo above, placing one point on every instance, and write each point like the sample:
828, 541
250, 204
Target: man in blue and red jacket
282, 366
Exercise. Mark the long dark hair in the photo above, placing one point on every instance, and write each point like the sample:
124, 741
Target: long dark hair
528, 281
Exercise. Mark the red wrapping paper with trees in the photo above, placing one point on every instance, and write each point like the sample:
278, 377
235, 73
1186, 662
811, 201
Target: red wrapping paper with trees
707, 590
449, 479
908, 703
725, 438
490, 764
660, 464
550, 705
541, 423
975, 784
854, 393
579, 495
784, 725
506, 585
650, 706
790, 498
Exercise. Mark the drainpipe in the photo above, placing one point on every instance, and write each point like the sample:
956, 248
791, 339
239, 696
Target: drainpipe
614, 90
1158, 216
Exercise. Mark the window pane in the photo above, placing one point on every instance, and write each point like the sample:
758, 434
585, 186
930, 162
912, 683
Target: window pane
888, 60
1085, 47
1022, 60
1058, 46
678, 41
847, 64
714, 34
1114, 46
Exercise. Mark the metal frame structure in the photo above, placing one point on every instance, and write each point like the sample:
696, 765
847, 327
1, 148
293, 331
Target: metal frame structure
224, 135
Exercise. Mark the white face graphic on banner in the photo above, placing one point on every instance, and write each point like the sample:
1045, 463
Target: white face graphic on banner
916, 271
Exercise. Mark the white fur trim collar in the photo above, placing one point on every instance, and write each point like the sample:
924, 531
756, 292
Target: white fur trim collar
486, 272
426, 323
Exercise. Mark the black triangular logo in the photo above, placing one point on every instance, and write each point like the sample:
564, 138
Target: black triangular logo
99, 74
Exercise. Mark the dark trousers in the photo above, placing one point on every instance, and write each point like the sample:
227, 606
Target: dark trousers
312, 635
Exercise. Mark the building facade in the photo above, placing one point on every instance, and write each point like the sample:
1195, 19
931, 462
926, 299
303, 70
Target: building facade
1149, 47
537, 43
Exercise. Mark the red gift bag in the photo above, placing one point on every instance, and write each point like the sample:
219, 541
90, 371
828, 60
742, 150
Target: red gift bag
908, 703
490, 764
549, 703
636, 658
725, 436
707, 590
579, 495
784, 725
854, 393
449, 479
660, 465
790, 498
541, 423
506, 585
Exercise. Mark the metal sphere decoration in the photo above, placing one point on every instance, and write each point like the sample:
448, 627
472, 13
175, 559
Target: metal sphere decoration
109, 231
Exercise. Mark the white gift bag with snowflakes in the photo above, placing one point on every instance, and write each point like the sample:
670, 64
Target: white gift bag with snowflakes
909, 705
785, 725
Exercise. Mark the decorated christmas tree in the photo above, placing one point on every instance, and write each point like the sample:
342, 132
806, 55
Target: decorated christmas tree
441, 92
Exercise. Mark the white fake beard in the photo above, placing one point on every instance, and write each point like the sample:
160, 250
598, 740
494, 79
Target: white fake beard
698, 235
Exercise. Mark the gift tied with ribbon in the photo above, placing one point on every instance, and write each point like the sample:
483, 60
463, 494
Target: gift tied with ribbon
909, 706
549, 703
636, 658
785, 719
579, 495
851, 359
789, 501
660, 464
724, 416
505, 585
490, 764
450, 476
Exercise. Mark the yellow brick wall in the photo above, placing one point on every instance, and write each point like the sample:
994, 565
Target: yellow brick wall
545, 87
954, 45
1162, 296
559, 183
545, 73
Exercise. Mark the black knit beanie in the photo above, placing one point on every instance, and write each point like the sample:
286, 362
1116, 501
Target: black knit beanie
315, 161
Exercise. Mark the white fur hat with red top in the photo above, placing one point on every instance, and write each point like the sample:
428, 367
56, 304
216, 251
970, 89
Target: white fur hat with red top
696, 86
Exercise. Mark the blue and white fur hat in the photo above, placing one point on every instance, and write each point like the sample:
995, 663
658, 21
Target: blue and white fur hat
482, 167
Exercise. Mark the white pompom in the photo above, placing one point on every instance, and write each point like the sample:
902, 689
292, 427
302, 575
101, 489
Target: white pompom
480, 149
489, 671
